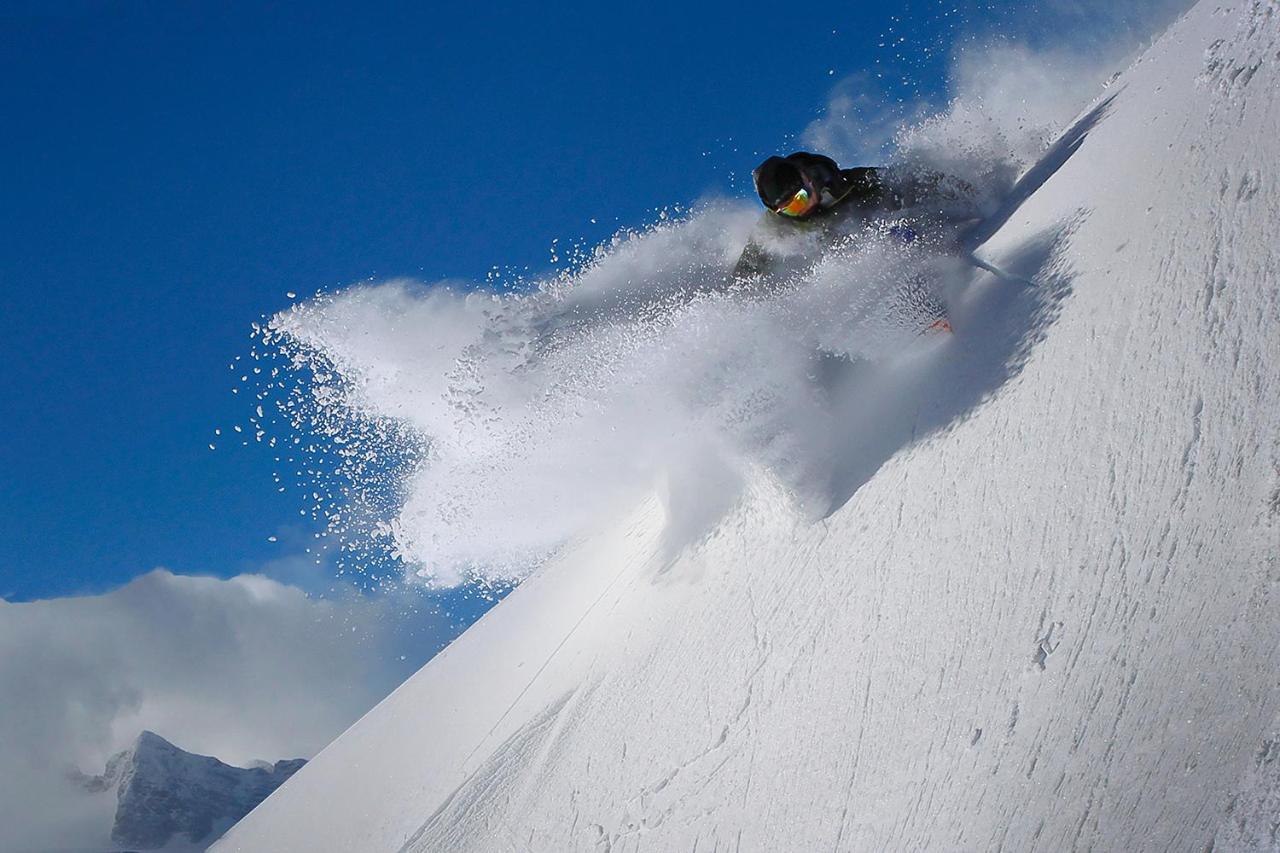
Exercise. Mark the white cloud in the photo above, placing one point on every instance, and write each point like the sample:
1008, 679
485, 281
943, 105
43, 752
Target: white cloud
242, 669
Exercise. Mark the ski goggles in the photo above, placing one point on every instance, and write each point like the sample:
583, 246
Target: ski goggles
798, 205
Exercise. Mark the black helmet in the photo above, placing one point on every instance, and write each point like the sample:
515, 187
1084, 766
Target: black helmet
778, 180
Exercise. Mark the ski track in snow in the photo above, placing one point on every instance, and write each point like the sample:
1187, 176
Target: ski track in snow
1051, 623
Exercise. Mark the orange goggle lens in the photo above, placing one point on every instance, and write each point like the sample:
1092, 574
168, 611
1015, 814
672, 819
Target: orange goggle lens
798, 205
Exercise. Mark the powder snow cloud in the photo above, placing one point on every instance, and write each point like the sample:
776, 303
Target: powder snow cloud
1009, 91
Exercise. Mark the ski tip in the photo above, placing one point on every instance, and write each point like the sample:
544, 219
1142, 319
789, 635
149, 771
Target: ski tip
997, 272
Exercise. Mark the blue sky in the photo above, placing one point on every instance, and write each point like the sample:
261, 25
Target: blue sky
170, 173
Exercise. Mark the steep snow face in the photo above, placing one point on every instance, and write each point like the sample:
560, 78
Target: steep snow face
1041, 613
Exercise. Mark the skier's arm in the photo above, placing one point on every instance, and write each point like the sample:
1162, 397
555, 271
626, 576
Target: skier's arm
760, 257
754, 261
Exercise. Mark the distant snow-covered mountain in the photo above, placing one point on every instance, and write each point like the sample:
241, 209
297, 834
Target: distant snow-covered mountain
168, 798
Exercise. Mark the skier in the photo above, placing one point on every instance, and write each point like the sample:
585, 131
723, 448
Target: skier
808, 194
809, 191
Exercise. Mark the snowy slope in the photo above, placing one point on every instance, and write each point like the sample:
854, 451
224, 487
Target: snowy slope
1049, 620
